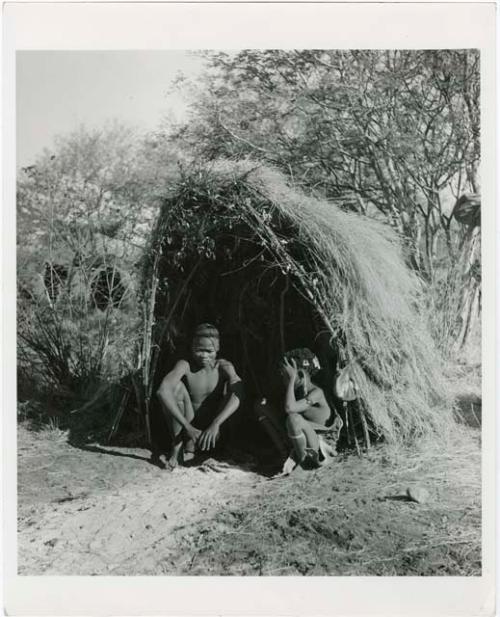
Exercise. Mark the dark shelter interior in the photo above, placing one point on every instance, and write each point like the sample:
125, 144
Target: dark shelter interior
260, 311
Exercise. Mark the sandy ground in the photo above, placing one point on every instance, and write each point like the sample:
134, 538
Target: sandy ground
110, 511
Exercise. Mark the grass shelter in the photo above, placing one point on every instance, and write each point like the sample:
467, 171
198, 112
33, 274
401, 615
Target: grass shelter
274, 268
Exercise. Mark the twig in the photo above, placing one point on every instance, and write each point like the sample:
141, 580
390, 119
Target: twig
353, 430
364, 424
119, 415
413, 549
282, 314
242, 139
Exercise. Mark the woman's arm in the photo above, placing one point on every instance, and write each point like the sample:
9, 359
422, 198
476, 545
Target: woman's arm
292, 405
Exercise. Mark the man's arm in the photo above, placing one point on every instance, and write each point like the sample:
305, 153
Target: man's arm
211, 434
166, 394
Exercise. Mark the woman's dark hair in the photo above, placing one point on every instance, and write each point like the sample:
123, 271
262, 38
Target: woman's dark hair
304, 358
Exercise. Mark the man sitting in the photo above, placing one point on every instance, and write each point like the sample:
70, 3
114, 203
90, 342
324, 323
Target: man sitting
199, 395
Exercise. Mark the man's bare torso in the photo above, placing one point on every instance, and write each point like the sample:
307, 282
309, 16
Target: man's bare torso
202, 383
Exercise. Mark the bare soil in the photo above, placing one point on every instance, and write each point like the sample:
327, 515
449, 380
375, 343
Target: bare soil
109, 511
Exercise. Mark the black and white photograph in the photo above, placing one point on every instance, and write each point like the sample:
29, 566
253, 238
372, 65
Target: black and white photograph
249, 312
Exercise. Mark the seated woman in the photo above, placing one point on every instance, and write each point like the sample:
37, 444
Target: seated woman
306, 411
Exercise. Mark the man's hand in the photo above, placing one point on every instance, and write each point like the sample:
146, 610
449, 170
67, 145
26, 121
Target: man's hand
209, 437
193, 432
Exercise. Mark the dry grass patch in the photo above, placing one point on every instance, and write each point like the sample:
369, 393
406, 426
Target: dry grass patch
354, 518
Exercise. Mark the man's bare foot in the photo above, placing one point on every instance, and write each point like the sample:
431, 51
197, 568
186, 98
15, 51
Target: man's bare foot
189, 448
156, 460
173, 461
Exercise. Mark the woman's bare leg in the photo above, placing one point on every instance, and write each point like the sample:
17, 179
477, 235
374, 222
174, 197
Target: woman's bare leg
318, 416
302, 436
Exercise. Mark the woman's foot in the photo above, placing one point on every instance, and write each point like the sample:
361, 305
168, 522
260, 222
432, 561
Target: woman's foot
288, 466
326, 452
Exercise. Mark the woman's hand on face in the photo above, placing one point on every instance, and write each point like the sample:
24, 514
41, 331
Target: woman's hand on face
290, 369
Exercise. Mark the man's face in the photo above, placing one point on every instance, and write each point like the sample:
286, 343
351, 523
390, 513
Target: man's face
204, 351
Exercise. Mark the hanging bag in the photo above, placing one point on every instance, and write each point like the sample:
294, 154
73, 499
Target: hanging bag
345, 385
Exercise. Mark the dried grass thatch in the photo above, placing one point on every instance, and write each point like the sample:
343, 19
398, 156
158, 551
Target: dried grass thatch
234, 243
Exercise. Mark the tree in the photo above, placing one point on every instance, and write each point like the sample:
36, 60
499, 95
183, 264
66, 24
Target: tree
385, 133
84, 215
99, 179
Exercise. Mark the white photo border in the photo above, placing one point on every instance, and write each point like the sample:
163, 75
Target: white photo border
239, 25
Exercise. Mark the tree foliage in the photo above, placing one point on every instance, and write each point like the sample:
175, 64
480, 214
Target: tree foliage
84, 213
100, 179
386, 133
